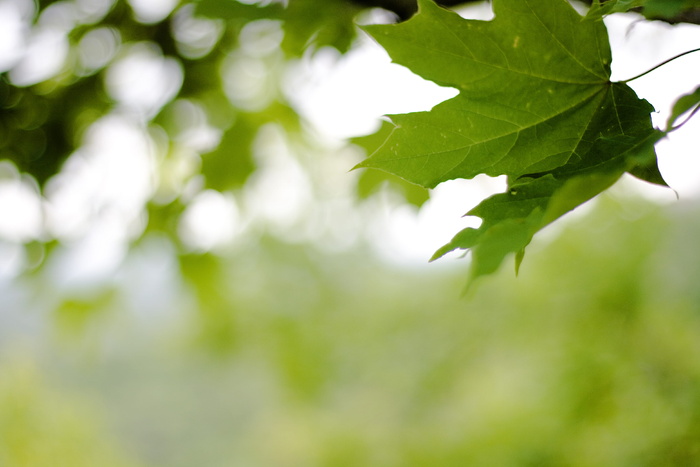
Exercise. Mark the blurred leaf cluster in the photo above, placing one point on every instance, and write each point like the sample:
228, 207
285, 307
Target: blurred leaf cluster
219, 75
44, 119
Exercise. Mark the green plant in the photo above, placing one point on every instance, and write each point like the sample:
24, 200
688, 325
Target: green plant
535, 103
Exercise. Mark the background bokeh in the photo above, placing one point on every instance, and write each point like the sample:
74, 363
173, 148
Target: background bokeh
190, 275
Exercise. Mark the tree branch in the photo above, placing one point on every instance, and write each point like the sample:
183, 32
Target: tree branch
404, 9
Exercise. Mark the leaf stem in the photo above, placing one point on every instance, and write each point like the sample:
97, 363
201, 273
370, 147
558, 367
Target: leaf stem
660, 65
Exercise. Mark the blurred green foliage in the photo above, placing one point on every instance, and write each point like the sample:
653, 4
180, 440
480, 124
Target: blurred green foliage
234, 59
280, 355
39, 426
42, 123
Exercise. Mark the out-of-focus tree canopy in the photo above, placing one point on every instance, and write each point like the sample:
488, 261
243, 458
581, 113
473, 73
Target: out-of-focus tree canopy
204, 46
224, 58
191, 97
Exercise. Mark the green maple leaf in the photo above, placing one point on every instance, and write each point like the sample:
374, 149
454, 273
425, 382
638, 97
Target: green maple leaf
535, 103
372, 181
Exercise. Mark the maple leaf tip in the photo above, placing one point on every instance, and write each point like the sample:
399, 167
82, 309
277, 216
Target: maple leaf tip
361, 165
